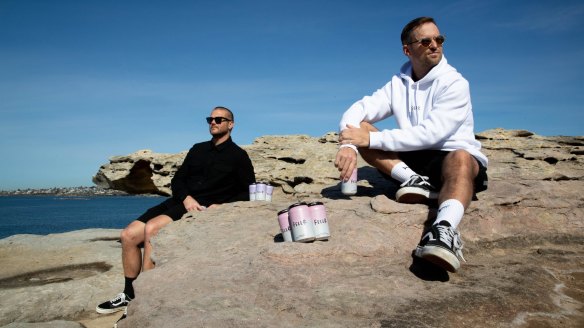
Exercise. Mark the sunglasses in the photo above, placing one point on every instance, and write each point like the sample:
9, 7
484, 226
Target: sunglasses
218, 119
426, 42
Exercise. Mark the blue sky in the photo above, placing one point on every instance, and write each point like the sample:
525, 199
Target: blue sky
81, 81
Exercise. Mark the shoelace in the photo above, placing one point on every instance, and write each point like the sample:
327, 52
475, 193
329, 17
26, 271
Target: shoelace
451, 236
118, 299
416, 179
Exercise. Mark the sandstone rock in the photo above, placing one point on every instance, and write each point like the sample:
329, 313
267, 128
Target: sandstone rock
524, 237
227, 267
57, 277
142, 172
50, 324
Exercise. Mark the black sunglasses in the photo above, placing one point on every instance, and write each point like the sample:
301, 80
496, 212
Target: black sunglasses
218, 119
426, 42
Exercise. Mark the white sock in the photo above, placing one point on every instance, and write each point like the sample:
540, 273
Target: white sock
451, 211
401, 172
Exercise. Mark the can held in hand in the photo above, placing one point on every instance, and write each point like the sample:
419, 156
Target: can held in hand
349, 187
302, 225
318, 216
285, 225
252, 191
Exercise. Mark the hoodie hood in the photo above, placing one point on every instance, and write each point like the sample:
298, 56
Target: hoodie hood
437, 71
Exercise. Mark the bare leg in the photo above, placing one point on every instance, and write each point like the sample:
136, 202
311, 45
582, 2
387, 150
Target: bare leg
150, 230
131, 238
380, 159
458, 173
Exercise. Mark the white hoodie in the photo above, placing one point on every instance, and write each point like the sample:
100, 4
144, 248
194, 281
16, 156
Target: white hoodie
432, 113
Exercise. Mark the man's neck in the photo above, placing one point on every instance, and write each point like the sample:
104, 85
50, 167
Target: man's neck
217, 140
417, 77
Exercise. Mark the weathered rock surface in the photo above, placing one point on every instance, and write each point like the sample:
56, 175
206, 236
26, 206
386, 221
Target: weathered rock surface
227, 267
47, 279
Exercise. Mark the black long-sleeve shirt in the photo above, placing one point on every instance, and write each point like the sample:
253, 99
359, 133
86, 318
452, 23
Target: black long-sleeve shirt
214, 174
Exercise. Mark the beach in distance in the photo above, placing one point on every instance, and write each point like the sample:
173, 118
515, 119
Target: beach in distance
47, 214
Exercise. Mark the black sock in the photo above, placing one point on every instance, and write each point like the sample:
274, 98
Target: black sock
128, 288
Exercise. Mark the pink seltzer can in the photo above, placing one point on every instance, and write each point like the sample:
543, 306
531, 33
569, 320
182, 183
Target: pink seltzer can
285, 225
318, 216
349, 187
302, 225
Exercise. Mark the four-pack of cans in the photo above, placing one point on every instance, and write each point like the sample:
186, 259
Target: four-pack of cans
304, 222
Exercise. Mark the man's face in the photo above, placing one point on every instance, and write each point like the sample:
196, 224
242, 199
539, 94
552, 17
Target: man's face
219, 129
424, 58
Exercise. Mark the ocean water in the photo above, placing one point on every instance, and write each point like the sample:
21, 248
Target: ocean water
43, 215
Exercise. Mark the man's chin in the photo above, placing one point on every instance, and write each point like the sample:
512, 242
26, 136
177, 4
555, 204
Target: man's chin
217, 134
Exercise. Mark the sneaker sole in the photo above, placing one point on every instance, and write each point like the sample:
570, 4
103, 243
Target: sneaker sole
108, 311
439, 256
414, 195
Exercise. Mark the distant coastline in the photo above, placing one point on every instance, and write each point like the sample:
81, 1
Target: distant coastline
65, 191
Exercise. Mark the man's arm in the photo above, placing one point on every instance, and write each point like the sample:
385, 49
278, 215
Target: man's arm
245, 176
178, 184
369, 109
180, 190
191, 204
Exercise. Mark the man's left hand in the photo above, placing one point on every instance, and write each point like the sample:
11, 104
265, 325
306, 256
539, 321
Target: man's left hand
353, 135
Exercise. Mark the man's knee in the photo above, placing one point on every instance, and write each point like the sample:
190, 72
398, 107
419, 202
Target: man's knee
133, 233
368, 126
461, 162
153, 226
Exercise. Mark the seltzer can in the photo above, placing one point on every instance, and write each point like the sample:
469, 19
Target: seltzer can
285, 225
349, 187
252, 191
302, 225
269, 191
318, 216
261, 191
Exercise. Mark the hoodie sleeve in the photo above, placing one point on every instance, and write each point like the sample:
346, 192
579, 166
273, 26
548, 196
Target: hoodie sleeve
450, 109
370, 109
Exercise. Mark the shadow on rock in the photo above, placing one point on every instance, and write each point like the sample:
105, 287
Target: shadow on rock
55, 275
378, 186
428, 271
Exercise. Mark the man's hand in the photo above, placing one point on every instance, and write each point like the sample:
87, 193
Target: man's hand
346, 161
192, 205
353, 135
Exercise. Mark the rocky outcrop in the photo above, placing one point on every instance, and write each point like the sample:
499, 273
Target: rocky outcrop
227, 267
303, 165
297, 164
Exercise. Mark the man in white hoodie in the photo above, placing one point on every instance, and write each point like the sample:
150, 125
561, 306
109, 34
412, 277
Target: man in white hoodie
433, 153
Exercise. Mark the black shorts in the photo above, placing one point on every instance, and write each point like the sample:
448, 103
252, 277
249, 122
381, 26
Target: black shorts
429, 163
170, 207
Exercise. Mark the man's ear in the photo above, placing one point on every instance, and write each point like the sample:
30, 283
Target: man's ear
406, 50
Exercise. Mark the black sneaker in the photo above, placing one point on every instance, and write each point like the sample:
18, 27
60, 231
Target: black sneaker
416, 190
442, 246
121, 318
116, 304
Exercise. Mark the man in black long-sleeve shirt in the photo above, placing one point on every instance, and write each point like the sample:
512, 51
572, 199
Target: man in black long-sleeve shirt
213, 172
